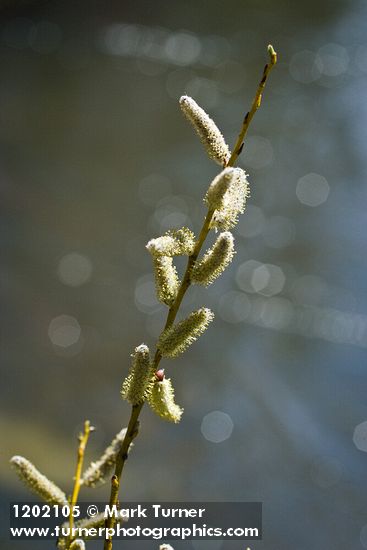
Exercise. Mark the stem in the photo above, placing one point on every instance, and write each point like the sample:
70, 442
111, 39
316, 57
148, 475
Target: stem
83, 440
254, 107
132, 429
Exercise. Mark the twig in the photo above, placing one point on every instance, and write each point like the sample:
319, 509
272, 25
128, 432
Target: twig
132, 429
254, 107
83, 440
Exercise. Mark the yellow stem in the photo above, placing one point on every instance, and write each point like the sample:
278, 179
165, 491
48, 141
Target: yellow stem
254, 107
83, 440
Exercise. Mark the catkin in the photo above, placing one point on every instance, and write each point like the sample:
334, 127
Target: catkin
177, 338
178, 242
166, 279
98, 471
207, 130
137, 384
77, 544
234, 202
162, 401
37, 482
214, 261
215, 197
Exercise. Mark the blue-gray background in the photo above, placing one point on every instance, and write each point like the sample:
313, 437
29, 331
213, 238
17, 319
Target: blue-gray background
96, 158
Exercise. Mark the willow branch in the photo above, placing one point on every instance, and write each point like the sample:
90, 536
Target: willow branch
132, 429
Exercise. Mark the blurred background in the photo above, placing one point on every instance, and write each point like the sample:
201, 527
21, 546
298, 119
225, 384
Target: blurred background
96, 159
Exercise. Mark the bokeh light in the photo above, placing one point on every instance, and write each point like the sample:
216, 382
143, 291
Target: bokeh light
74, 269
64, 331
360, 436
334, 59
312, 189
217, 426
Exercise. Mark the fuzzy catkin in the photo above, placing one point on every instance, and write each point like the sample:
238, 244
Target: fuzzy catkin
162, 401
37, 482
214, 261
215, 197
184, 241
234, 202
137, 384
178, 242
166, 279
176, 339
210, 135
98, 471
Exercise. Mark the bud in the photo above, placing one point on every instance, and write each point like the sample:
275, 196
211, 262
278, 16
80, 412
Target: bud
176, 242
166, 547
162, 401
137, 384
166, 279
97, 472
216, 194
272, 54
159, 374
37, 482
234, 202
175, 339
214, 261
207, 130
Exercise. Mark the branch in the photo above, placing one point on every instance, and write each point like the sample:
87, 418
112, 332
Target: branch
83, 440
132, 429
254, 107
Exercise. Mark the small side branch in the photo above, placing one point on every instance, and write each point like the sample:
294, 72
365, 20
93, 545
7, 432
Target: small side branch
254, 107
83, 440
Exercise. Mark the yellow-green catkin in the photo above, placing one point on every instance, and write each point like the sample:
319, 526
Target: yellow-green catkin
97, 472
178, 242
162, 401
234, 202
174, 340
37, 482
137, 384
214, 261
207, 130
215, 197
166, 279
77, 544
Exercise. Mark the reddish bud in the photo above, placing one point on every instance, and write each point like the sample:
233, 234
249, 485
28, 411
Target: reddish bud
159, 374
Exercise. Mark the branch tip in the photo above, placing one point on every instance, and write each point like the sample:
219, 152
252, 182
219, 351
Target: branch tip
272, 54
